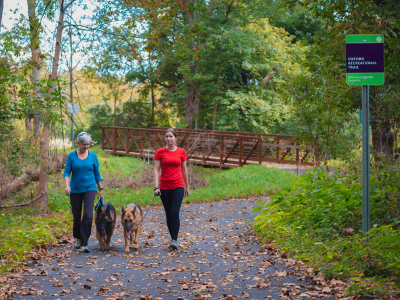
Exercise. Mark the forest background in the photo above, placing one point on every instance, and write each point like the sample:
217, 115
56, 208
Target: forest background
244, 65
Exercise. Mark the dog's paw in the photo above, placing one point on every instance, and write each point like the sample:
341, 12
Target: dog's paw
127, 249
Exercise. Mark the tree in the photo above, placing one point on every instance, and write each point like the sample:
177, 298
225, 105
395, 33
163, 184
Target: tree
362, 17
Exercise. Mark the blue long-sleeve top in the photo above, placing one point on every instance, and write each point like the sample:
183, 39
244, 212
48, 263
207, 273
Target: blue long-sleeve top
85, 172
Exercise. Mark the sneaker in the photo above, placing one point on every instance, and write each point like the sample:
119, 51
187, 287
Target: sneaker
78, 243
173, 245
85, 249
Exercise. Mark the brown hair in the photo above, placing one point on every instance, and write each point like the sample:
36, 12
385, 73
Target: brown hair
173, 131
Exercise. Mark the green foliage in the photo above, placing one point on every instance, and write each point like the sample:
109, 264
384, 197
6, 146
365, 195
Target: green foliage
20, 232
318, 220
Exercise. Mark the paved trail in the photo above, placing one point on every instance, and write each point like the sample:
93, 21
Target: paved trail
219, 258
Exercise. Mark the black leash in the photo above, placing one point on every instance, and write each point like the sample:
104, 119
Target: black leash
147, 210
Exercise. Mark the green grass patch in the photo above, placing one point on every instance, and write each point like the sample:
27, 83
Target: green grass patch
319, 220
22, 230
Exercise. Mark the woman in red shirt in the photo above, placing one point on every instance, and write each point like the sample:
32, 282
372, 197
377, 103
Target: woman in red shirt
174, 178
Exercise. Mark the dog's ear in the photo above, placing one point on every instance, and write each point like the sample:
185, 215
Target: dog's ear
123, 210
99, 209
108, 209
134, 210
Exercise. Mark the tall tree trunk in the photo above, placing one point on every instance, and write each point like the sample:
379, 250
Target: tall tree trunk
189, 103
216, 101
153, 103
36, 60
44, 141
1, 12
383, 141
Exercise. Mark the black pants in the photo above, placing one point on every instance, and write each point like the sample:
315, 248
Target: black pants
172, 201
82, 227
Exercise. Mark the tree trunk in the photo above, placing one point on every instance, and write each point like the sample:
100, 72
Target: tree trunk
36, 60
44, 141
189, 103
216, 102
1, 12
152, 105
383, 141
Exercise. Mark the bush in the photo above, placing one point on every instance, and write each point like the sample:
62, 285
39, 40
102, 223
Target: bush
319, 220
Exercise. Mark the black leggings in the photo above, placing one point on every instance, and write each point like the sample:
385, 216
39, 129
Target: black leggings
172, 200
82, 228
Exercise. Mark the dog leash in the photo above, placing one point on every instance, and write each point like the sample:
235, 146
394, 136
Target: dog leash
147, 211
99, 203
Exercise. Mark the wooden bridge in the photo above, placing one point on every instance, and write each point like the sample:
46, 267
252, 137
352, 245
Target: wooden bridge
224, 149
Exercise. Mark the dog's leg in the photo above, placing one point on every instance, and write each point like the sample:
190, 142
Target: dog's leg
99, 238
126, 241
137, 233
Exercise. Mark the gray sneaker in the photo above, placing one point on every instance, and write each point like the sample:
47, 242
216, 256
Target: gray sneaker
173, 245
78, 243
85, 249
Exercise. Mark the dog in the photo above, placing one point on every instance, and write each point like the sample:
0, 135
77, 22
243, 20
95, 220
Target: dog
106, 219
131, 218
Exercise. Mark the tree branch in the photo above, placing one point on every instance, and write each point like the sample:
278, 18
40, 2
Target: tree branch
227, 12
23, 204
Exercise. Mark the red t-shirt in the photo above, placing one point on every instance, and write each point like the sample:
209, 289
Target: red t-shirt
171, 161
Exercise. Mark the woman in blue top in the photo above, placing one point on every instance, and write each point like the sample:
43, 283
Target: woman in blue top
84, 166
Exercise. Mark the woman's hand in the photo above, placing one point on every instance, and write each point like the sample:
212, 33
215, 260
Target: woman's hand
100, 194
68, 191
187, 192
157, 192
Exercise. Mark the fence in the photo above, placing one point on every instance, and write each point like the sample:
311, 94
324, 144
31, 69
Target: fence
224, 149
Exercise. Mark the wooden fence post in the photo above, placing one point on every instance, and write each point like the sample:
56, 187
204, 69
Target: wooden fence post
277, 149
155, 142
259, 149
141, 143
127, 141
115, 140
102, 138
240, 150
221, 158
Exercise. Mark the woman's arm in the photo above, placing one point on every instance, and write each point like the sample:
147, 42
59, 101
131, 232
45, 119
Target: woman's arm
67, 173
67, 188
157, 167
100, 185
97, 176
185, 178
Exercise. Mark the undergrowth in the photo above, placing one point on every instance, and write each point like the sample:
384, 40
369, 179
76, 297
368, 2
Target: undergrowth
22, 231
319, 220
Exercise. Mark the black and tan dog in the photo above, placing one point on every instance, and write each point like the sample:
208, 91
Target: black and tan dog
131, 218
106, 219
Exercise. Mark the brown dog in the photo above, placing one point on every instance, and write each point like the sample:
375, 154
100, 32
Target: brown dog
131, 218
105, 221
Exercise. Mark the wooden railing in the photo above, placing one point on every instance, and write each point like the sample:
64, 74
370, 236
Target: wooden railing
225, 149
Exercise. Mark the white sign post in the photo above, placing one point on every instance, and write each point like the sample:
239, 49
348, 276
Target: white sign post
73, 108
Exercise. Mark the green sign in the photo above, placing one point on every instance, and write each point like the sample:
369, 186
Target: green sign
364, 59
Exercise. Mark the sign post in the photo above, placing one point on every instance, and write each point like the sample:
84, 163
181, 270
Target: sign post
73, 108
365, 67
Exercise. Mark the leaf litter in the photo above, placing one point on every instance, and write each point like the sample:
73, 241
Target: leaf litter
219, 258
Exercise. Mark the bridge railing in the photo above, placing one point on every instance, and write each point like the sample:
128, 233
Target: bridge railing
225, 149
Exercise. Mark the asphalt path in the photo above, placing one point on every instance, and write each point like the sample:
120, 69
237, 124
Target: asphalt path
218, 258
